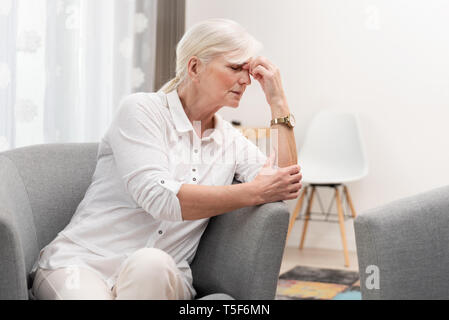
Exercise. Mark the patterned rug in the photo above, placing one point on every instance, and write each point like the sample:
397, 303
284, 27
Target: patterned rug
306, 283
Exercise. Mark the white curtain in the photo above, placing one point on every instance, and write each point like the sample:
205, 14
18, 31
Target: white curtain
66, 65
8, 31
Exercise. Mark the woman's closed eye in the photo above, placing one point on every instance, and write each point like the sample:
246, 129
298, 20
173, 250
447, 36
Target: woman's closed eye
236, 68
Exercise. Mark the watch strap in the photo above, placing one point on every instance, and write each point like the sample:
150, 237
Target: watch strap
279, 120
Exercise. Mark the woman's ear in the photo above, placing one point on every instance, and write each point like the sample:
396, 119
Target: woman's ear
194, 68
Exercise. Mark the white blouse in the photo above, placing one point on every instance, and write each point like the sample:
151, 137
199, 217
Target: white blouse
147, 153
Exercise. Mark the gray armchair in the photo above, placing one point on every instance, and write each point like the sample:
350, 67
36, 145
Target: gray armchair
239, 255
408, 242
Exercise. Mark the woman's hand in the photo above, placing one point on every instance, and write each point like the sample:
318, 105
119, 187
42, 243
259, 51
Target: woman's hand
269, 78
272, 185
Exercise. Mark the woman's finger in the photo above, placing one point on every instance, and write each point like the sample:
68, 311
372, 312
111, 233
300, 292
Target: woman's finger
260, 72
294, 187
293, 195
261, 61
296, 177
293, 169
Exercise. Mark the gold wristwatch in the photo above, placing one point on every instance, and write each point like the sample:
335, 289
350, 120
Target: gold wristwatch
288, 120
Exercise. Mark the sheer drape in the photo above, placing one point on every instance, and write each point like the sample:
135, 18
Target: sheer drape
8, 36
66, 64
91, 63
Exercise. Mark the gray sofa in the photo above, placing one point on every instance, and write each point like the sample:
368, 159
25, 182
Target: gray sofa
239, 255
406, 245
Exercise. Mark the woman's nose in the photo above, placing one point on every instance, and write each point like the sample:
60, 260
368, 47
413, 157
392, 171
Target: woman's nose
245, 79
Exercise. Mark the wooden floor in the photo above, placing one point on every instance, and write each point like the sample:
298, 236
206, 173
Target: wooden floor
320, 258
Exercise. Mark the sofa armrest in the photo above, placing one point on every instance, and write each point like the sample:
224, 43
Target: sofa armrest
13, 284
408, 241
240, 253
17, 233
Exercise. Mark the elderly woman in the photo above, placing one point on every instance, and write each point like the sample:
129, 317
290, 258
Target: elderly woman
136, 231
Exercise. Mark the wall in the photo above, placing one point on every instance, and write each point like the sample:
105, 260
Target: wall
385, 60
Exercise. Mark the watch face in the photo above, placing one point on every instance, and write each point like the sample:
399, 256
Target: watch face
292, 120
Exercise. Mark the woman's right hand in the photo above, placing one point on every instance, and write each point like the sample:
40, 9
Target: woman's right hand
272, 185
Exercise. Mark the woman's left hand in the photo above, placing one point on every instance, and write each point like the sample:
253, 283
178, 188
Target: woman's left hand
269, 78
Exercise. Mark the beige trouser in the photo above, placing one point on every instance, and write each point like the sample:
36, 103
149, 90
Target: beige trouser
148, 274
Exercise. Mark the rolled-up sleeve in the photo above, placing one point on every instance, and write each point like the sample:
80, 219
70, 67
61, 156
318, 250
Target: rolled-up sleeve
250, 159
138, 140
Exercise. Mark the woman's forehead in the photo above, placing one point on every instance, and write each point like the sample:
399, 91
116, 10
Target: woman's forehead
236, 60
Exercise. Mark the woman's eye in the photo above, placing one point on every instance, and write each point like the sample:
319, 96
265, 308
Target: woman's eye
236, 68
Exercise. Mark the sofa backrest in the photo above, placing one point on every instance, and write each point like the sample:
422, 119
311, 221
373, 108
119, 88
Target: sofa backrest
41, 187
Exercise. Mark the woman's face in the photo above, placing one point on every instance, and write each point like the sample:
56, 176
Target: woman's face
224, 83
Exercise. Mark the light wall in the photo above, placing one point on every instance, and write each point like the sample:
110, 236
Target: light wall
385, 60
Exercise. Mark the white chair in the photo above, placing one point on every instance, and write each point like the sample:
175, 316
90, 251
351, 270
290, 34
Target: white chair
333, 154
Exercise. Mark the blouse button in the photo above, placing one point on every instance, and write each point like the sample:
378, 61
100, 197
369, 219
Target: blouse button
193, 169
162, 181
194, 179
160, 232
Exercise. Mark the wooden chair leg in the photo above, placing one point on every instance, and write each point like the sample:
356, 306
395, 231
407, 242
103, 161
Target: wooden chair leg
296, 211
348, 198
307, 217
341, 220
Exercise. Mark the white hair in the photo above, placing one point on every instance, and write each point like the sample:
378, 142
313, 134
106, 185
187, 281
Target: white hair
209, 39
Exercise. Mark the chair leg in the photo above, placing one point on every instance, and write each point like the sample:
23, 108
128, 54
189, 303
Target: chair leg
307, 217
296, 211
342, 226
348, 198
